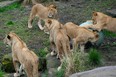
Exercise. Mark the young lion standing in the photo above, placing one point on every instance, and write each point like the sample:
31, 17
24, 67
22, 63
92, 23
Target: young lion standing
22, 56
42, 12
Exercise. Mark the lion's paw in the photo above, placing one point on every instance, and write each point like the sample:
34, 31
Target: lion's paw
59, 68
16, 74
52, 53
29, 26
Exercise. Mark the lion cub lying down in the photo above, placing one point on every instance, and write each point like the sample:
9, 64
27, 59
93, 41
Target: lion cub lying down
103, 21
80, 35
58, 39
42, 12
22, 56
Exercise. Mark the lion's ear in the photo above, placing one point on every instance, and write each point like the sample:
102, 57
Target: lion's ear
8, 36
49, 21
95, 13
54, 6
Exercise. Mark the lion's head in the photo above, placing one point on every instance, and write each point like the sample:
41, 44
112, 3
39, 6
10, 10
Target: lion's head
96, 36
99, 17
48, 25
52, 11
7, 40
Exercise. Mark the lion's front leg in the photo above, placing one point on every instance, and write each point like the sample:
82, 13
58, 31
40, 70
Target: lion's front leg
39, 24
30, 20
21, 70
16, 66
82, 47
53, 48
75, 45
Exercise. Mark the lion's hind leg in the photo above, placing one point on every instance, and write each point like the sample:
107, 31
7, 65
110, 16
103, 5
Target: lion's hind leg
28, 70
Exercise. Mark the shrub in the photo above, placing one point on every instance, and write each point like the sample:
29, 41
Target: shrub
75, 63
94, 57
7, 64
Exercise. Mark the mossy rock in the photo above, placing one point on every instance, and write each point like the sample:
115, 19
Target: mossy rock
7, 63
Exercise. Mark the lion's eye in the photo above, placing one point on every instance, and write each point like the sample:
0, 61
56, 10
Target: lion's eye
8, 37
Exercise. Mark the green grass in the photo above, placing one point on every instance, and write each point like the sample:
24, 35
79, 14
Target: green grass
60, 73
75, 63
109, 34
94, 57
42, 52
1, 73
10, 7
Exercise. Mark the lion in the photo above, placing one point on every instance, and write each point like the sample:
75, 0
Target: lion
22, 56
58, 39
102, 21
80, 35
42, 12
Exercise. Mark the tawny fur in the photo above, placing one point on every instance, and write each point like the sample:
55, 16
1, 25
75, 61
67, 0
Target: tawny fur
22, 55
102, 21
58, 38
80, 35
42, 12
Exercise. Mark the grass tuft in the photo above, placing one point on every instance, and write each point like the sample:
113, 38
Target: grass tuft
94, 57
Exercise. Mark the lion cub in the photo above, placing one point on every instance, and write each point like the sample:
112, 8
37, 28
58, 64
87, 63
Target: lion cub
42, 12
22, 56
80, 35
58, 39
103, 21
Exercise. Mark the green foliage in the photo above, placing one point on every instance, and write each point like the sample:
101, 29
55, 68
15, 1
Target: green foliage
7, 64
1, 73
10, 23
109, 34
10, 7
60, 73
42, 52
94, 57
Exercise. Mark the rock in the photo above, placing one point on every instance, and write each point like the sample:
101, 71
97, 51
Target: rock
52, 65
107, 71
112, 12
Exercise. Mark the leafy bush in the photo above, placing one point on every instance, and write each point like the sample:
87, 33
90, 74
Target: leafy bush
94, 57
7, 64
